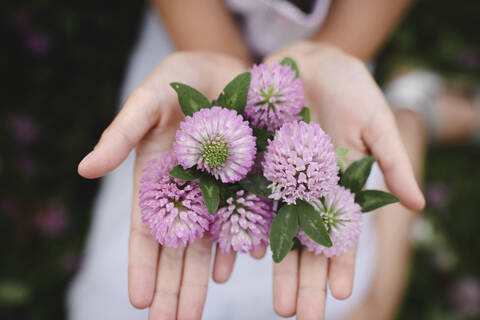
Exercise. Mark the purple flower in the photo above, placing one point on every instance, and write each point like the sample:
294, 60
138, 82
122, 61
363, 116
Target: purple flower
218, 141
26, 165
23, 128
300, 162
465, 294
276, 96
38, 44
438, 195
343, 219
51, 219
9, 206
174, 209
243, 224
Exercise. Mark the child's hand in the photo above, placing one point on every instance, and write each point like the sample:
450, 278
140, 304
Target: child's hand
172, 282
349, 106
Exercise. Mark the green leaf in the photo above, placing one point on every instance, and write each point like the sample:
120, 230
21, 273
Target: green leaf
340, 165
284, 228
227, 190
210, 192
190, 99
305, 114
312, 224
185, 174
287, 61
234, 95
296, 244
256, 184
356, 175
370, 200
262, 138
341, 151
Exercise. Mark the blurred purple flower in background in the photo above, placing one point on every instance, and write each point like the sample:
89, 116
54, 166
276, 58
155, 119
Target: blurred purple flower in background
38, 44
26, 165
9, 206
437, 194
20, 21
23, 128
470, 58
465, 295
51, 219
70, 262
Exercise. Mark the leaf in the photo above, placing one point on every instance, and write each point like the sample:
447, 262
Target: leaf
227, 190
185, 174
287, 61
284, 228
190, 99
312, 223
305, 114
340, 165
296, 244
262, 136
256, 184
234, 95
341, 151
357, 174
370, 200
210, 192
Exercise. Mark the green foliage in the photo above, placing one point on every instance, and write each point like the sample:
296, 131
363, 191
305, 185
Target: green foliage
262, 136
283, 229
312, 224
256, 184
190, 99
234, 95
287, 61
185, 174
305, 114
357, 174
371, 200
210, 192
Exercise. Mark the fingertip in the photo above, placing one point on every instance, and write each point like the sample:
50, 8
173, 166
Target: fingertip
341, 289
140, 299
258, 253
284, 304
83, 166
223, 266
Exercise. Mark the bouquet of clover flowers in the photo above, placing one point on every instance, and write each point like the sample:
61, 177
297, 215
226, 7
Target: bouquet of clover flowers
250, 169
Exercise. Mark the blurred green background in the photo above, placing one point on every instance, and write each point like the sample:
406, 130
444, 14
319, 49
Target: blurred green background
62, 64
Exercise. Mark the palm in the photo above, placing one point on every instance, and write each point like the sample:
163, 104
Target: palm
172, 282
350, 107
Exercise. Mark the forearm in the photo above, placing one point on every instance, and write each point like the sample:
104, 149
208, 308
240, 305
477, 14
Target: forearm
360, 27
202, 25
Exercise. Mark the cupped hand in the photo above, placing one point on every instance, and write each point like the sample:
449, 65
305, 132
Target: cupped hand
346, 102
172, 282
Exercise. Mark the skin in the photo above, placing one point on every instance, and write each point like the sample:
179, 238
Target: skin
173, 282
340, 90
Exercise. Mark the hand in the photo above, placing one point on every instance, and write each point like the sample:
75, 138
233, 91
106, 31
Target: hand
349, 106
172, 282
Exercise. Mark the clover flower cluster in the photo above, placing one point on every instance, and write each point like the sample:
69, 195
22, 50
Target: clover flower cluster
299, 162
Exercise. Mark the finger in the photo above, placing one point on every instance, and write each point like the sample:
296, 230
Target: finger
259, 252
139, 114
384, 142
142, 254
223, 266
312, 291
169, 276
196, 273
341, 274
285, 285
